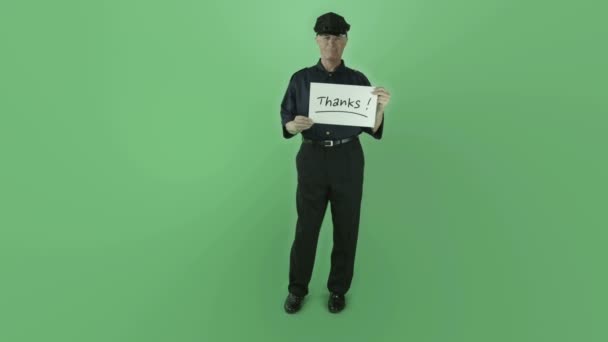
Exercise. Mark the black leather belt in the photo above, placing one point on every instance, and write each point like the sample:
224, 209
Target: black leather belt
329, 143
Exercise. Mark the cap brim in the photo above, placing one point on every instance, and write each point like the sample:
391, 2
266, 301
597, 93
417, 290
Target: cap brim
335, 33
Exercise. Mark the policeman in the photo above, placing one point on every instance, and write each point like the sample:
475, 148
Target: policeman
330, 167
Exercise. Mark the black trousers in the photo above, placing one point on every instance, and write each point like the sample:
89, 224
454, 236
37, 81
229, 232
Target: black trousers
335, 175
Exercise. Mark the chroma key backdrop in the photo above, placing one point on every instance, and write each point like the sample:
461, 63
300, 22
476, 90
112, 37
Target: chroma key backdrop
147, 192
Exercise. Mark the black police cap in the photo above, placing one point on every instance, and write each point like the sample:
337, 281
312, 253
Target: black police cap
331, 23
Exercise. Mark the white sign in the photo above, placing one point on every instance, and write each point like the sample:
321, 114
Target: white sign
340, 104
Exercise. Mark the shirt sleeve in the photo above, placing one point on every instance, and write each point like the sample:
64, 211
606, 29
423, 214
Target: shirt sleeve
370, 130
288, 107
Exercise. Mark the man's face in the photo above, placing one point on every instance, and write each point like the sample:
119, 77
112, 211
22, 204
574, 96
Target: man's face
331, 46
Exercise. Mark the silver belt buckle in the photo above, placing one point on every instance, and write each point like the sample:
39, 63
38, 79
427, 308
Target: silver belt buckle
331, 143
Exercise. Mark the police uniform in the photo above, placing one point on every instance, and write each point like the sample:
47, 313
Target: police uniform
330, 167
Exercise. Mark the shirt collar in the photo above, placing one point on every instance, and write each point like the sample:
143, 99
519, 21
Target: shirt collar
339, 68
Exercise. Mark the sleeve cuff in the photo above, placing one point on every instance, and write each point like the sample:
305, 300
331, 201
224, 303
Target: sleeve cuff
286, 133
378, 134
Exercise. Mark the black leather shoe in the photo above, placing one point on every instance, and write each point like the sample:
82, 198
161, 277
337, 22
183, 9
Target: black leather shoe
336, 302
293, 303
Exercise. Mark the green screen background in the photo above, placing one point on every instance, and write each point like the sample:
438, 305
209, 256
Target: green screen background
147, 193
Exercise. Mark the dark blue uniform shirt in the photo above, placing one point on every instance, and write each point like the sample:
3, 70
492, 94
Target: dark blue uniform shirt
295, 101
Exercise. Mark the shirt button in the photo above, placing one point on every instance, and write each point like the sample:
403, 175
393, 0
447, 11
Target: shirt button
327, 132
329, 75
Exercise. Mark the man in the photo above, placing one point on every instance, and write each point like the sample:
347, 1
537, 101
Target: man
330, 165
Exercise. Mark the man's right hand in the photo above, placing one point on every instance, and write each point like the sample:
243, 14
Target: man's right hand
299, 124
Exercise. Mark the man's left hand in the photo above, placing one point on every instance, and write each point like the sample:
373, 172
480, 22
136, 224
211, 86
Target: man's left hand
383, 97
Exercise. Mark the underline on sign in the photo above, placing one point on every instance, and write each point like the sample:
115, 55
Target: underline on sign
338, 111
